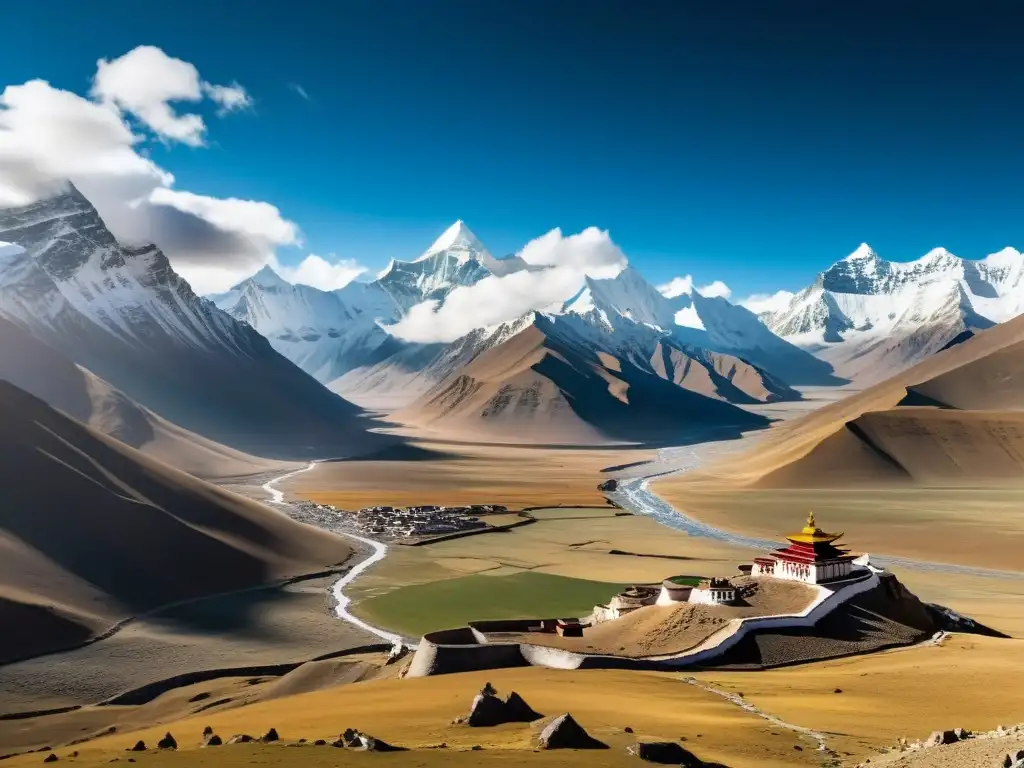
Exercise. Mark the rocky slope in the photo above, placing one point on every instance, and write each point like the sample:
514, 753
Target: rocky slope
124, 314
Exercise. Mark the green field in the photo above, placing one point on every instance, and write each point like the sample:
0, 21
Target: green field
450, 603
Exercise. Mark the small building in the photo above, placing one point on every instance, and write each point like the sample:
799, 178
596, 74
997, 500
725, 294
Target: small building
627, 601
811, 557
713, 592
569, 628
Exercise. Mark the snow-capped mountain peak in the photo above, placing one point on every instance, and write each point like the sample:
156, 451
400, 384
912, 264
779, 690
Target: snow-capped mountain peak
861, 253
459, 241
266, 278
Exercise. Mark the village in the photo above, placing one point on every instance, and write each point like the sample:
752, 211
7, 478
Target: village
391, 524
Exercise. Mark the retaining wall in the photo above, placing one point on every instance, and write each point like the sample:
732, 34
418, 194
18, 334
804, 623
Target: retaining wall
461, 650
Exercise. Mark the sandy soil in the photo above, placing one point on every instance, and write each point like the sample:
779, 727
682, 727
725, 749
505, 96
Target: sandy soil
658, 629
259, 627
434, 472
418, 713
967, 681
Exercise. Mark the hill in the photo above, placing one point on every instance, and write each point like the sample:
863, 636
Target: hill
539, 385
93, 531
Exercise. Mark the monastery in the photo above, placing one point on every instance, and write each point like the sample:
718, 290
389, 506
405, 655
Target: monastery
811, 557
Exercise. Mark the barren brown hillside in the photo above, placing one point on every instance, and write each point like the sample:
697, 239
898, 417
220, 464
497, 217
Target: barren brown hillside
534, 387
93, 531
917, 426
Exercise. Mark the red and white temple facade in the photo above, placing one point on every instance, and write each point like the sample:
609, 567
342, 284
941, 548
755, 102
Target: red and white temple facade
811, 557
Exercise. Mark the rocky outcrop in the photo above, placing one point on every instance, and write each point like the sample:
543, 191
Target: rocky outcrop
167, 742
565, 733
666, 753
489, 710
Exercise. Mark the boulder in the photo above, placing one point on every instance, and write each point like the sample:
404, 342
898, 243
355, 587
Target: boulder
942, 737
565, 733
51, 758
486, 710
370, 744
270, 736
167, 742
350, 738
207, 731
241, 738
212, 740
1014, 759
518, 711
320, 743
140, 746
665, 753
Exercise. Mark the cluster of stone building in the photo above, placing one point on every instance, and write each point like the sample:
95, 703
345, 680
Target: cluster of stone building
424, 520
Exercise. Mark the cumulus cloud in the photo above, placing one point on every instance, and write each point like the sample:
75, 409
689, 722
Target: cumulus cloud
51, 136
677, 286
563, 262
767, 302
715, 289
319, 272
145, 80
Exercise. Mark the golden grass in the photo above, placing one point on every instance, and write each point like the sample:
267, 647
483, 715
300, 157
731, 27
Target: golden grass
466, 473
417, 713
969, 681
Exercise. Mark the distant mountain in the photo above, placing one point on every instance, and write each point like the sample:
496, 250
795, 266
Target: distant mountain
870, 317
703, 345
710, 323
544, 381
125, 315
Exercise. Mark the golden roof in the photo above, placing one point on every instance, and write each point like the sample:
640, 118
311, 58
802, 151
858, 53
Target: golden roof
812, 534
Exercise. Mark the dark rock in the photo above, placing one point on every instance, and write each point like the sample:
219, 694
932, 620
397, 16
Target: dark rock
207, 731
320, 743
942, 737
565, 733
798, 748
200, 697
270, 736
476, 748
962, 733
838, 690
487, 710
665, 753
302, 741
350, 738
212, 740
370, 744
518, 711
140, 746
488, 690
74, 754
627, 729
167, 742
241, 738
51, 758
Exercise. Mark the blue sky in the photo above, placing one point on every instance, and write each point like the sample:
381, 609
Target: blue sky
750, 142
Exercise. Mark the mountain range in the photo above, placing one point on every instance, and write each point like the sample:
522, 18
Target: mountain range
700, 345
871, 318
272, 369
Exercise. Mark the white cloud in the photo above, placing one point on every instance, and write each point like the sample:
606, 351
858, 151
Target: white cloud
299, 90
251, 218
715, 289
566, 261
51, 136
230, 97
677, 286
145, 80
320, 273
767, 302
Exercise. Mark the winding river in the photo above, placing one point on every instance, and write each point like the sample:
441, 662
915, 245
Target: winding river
378, 551
635, 495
